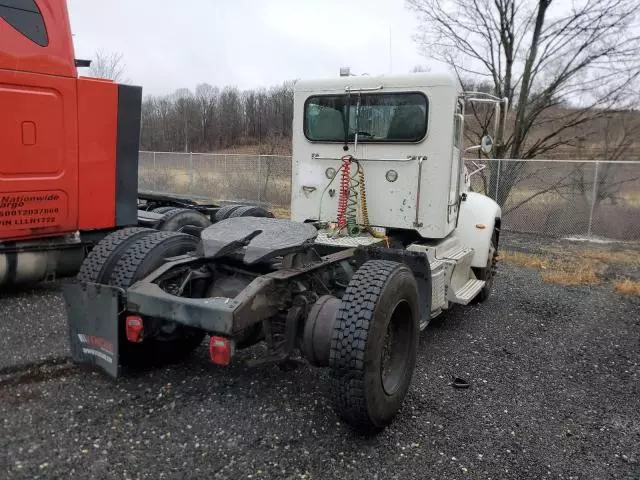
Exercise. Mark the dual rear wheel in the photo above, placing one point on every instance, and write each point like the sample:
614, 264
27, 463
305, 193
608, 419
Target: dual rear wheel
121, 259
374, 340
128, 255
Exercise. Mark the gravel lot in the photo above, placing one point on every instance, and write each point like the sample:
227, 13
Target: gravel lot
555, 393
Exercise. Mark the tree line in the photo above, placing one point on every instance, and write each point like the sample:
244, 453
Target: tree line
212, 118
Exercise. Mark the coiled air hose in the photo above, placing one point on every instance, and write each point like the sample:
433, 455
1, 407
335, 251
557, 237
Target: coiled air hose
345, 181
348, 199
350, 188
363, 203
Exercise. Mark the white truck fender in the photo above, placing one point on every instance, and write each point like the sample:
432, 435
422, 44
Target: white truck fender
476, 222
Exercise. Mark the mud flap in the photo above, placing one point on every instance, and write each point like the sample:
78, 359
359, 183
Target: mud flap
92, 315
417, 263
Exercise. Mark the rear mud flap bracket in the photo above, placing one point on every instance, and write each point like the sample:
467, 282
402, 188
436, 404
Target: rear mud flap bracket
92, 313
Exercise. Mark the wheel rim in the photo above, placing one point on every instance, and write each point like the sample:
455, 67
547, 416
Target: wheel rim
395, 347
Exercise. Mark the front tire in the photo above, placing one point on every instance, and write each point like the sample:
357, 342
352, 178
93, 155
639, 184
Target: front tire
488, 273
374, 345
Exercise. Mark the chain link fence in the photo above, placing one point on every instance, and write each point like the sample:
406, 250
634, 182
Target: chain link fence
548, 197
590, 198
258, 179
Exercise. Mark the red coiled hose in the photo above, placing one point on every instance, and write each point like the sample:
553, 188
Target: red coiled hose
343, 199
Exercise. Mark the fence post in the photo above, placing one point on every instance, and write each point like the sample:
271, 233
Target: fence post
259, 177
155, 173
594, 194
190, 172
498, 179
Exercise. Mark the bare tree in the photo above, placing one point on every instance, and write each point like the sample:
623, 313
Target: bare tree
619, 132
206, 99
185, 106
108, 65
540, 55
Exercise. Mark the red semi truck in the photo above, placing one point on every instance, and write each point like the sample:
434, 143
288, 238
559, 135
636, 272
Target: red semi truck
68, 152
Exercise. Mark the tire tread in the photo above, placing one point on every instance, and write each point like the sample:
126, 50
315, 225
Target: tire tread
124, 274
105, 251
348, 342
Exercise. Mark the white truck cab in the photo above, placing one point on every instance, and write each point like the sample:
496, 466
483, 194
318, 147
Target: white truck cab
381, 156
407, 144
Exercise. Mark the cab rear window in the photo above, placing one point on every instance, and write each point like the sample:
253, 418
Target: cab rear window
25, 17
373, 117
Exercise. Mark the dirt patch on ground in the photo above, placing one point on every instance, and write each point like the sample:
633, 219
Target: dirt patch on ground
567, 262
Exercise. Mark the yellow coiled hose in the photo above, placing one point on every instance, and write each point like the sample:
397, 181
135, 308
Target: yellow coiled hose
363, 205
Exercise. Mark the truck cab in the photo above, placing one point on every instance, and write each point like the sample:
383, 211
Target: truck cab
69, 144
405, 133
381, 157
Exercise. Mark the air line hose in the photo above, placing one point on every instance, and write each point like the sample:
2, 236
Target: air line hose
350, 188
363, 202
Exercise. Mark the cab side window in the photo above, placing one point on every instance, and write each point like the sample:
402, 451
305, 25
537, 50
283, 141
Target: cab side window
25, 17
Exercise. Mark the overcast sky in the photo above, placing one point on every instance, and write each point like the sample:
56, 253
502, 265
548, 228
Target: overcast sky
167, 44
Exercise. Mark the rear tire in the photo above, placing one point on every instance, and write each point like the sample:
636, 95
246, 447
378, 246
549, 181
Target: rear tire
249, 211
225, 211
98, 265
163, 342
177, 218
374, 345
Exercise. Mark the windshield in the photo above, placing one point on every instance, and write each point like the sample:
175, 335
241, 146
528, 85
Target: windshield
375, 117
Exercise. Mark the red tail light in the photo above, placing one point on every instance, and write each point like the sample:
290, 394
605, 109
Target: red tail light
134, 328
220, 350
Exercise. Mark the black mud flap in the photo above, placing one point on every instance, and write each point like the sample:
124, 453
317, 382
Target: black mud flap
92, 315
417, 263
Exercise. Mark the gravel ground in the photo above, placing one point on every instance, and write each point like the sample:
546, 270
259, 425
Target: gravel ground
555, 393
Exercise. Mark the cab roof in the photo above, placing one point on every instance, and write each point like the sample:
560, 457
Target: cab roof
410, 80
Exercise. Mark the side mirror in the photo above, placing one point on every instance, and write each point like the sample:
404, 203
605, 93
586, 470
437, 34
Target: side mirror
486, 144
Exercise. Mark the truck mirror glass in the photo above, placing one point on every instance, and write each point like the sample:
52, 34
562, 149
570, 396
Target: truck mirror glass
486, 144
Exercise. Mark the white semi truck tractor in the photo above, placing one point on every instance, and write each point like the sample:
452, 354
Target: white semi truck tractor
384, 235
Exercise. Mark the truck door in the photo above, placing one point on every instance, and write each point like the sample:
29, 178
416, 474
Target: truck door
38, 120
